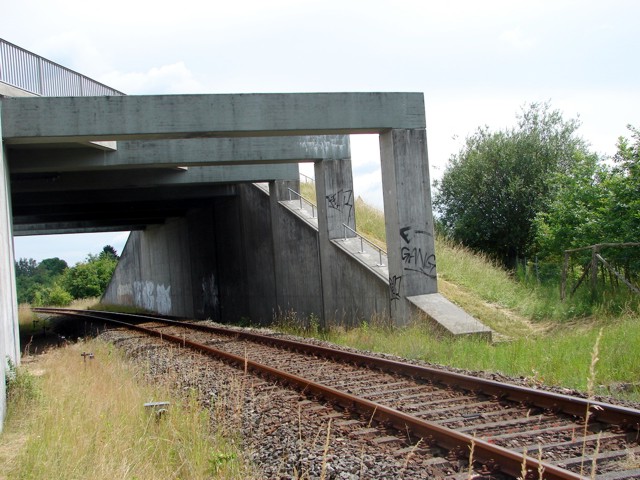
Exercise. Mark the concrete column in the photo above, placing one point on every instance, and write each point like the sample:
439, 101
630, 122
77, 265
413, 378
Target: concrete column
334, 196
336, 208
282, 189
9, 336
277, 191
409, 219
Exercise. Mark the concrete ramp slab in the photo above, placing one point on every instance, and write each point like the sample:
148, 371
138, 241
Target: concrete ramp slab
449, 316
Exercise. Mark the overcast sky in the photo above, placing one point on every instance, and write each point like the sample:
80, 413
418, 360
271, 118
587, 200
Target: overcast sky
477, 62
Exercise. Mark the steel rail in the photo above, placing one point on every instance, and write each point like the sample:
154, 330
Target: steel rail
624, 417
495, 457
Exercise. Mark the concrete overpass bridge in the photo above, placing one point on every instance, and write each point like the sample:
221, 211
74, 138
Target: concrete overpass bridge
201, 182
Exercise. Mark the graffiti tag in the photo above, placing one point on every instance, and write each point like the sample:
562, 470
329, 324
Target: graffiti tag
414, 257
394, 287
342, 201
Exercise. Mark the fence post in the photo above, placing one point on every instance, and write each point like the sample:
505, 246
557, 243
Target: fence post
563, 282
594, 270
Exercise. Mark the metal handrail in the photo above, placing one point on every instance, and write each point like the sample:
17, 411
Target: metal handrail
362, 242
35, 74
363, 239
313, 205
307, 178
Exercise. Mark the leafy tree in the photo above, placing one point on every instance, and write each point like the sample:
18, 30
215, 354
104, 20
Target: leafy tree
52, 282
595, 203
624, 185
109, 251
495, 186
26, 267
32, 277
90, 278
578, 203
52, 267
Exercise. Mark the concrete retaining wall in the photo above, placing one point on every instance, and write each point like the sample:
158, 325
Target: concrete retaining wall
169, 268
220, 262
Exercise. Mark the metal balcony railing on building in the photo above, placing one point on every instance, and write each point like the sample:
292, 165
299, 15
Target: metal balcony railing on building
35, 74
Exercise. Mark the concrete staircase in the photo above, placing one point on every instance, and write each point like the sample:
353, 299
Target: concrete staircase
445, 314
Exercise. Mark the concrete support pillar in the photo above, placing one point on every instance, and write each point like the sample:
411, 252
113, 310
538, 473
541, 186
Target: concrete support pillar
9, 336
336, 208
282, 189
277, 191
409, 219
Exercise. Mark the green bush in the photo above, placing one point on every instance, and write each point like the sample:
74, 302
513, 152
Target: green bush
58, 296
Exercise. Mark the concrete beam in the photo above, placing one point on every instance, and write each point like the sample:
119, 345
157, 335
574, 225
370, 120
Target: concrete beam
7, 90
67, 228
119, 179
182, 153
77, 119
115, 197
113, 218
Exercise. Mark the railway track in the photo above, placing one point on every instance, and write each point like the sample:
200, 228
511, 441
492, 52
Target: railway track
449, 419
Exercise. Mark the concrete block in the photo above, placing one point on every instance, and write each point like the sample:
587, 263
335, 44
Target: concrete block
449, 316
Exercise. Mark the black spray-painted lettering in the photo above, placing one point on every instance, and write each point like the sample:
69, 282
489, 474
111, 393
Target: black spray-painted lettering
408, 234
342, 201
394, 287
415, 258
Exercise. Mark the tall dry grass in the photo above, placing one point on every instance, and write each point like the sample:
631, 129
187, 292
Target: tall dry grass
88, 420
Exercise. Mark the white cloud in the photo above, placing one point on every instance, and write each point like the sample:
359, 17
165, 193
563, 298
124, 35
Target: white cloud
174, 78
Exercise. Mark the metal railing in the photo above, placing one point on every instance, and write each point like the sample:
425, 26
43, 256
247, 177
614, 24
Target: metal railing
306, 178
302, 199
364, 240
33, 73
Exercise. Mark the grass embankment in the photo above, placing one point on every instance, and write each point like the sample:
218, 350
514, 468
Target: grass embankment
548, 340
71, 417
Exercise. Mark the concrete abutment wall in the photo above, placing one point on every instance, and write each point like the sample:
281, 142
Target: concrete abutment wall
243, 258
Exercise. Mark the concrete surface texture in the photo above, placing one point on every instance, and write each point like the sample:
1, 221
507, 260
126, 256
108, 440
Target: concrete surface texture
244, 259
78, 119
195, 152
